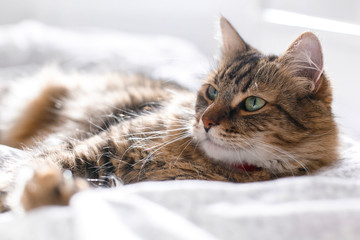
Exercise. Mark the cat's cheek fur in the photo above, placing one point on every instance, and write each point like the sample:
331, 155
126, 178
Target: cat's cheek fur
257, 154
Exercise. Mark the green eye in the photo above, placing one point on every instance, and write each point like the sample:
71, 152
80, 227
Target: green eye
253, 104
211, 93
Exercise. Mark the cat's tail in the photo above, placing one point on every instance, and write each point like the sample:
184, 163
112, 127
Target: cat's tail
35, 119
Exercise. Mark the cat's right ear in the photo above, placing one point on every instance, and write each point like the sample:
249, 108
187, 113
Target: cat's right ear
305, 53
231, 40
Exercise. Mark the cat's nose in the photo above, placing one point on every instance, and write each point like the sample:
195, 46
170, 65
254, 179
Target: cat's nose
208, 123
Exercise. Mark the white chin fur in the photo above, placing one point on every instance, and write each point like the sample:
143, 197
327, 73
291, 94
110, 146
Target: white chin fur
255, 155
230, 156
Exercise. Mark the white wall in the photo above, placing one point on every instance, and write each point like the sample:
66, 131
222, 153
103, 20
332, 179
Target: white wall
194, 20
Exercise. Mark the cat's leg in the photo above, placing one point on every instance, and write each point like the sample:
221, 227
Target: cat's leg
116, 153
67, 167
27, 183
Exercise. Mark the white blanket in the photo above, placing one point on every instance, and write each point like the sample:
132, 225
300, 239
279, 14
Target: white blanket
292, 208
326, 206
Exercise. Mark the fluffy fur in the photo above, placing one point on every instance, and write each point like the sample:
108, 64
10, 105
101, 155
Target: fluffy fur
110, 128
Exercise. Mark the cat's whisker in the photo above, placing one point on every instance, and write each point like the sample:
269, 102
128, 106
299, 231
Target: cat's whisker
278, 158
284, 156
134, 114
175, 139
129, 112
138, 144
255, 150
163, 126
188, 142
95, 125
158, 136
288, 155
143, 136
160, 146
196, 146
238, 154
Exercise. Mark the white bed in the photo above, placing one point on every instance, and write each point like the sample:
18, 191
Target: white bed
325, 206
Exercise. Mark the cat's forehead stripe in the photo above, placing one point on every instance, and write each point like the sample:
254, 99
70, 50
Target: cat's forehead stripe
242, 72
247, 85
247, 64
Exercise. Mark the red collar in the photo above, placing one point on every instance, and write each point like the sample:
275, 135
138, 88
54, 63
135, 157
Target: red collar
247, 167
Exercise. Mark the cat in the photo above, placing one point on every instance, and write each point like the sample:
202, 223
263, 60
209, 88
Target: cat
255, 118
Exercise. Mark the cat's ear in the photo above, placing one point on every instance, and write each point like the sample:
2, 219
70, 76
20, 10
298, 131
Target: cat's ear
231, 40
306, 55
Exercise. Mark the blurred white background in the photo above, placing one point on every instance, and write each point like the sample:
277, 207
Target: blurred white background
267, 25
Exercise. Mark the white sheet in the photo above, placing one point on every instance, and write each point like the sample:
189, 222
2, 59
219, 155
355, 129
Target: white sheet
293, 208
325, 206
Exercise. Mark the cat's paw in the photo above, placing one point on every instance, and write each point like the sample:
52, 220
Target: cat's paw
50, 187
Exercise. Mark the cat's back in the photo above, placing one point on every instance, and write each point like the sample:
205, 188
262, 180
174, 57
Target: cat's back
77, 105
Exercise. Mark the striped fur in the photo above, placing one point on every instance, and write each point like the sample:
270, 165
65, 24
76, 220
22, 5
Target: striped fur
111, 128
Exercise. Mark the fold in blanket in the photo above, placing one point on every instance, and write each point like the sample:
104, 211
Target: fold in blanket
292, 208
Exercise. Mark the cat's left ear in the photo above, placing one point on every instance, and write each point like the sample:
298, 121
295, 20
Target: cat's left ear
231, 40
306, 55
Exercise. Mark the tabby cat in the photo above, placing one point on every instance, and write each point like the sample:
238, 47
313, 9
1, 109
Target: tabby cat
255, 118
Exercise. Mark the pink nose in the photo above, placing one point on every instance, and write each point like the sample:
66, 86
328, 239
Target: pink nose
208, 123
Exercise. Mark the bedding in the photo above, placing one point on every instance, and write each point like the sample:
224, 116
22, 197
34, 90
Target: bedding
324, 206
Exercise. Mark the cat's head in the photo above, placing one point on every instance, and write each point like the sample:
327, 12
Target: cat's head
272, 112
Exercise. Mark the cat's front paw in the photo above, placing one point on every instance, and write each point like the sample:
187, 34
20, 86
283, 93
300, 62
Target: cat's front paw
50, 187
